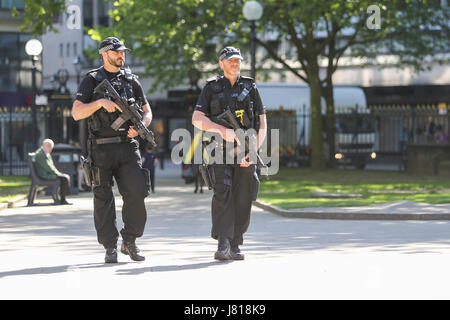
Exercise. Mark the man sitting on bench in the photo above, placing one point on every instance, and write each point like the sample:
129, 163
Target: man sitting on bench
45, 169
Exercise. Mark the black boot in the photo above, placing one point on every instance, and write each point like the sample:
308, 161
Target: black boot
111, 255
223, 250
131, 249
235, 253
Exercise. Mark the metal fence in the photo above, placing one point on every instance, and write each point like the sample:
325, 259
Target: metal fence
386, 130
19, 135
400, 125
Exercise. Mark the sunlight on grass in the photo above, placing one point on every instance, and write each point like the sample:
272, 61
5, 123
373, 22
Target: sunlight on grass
292, 188
13, 186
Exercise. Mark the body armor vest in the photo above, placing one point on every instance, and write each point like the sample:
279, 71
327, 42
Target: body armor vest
99, 123
241, 105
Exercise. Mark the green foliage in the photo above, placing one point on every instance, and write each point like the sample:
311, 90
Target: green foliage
38, 15
178, 39
410, 32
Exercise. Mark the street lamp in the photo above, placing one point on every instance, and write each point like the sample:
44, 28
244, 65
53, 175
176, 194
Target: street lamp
252, 11
33, 48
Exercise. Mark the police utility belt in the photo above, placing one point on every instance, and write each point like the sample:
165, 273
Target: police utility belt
118, 139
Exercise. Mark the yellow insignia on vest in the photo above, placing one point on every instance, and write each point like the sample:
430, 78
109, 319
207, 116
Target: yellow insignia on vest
240, 115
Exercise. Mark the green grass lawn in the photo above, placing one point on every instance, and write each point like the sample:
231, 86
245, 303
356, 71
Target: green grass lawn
291, 188
13, 186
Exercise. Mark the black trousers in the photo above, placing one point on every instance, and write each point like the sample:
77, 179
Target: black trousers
64, 183
152, 178
235, 188
123, 162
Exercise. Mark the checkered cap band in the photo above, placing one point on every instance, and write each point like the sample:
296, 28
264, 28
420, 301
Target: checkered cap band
229, 52
104, 49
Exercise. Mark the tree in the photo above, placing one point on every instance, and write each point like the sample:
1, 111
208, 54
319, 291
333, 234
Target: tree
179, 40
312, 28
321, 32
38, 15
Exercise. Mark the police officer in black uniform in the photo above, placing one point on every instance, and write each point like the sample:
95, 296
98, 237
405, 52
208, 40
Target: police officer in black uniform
235, 185
115, 153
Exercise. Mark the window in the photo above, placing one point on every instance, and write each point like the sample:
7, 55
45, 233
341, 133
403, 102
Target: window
9, 4
75, 49
15, 66
103, 17
61, 50
57, 18
68, 50
354, 123
88, 19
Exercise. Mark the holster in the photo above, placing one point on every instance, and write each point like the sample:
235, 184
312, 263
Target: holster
91, 172
204, 170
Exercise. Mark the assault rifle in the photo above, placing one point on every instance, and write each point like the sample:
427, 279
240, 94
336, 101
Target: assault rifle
129, 111
229, 121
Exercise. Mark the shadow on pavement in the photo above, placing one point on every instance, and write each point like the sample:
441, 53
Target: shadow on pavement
131, 271
58, 269
192, 266
180, 221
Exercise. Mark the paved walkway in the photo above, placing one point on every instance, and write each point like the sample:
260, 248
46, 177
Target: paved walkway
51, 252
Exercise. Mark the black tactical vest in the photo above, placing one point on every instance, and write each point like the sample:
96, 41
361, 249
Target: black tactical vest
240, 103
99, 123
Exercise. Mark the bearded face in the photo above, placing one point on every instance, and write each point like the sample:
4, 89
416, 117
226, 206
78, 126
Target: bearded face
231, 66
116, 59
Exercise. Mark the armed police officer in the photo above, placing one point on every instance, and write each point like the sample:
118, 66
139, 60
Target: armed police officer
115, 153
235, 185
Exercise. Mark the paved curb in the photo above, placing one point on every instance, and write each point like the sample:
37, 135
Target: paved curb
349, 215
11, 203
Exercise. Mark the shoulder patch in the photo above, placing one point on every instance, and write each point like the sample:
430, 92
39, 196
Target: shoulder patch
96, 74
92, 71
247, 82
247, 78
215, 84
212, 79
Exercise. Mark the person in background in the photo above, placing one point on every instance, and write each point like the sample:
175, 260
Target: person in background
45, 169
149, 162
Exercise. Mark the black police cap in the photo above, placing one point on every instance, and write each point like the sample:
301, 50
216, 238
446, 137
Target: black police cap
111, 43
230, 52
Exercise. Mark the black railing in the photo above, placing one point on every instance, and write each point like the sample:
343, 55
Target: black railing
18, 135
386, 130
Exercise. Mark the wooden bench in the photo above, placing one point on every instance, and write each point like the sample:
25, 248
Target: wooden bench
37, 182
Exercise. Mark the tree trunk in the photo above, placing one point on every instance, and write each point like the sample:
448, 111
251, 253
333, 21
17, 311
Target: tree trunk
317, 154
330, 121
